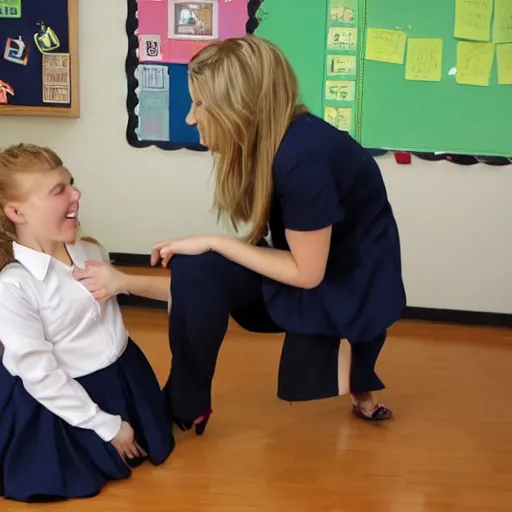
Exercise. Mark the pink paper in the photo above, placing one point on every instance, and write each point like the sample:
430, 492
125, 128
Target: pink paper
154, 21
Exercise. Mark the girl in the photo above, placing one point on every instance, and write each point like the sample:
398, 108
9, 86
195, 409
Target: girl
333, 267
79, 402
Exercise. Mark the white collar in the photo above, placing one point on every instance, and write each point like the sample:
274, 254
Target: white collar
37, 263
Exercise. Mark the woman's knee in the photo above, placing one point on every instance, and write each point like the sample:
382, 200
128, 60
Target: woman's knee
193, 271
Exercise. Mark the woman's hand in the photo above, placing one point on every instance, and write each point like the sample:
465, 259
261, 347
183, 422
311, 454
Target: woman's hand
191, 245
101, 279
125, 443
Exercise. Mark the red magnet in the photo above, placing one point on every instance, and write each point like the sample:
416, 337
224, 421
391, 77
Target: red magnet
403, 157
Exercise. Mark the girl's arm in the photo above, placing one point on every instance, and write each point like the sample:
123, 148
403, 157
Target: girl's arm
29, 355
154, 287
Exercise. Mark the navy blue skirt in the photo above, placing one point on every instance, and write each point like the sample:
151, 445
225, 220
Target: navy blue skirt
43, 458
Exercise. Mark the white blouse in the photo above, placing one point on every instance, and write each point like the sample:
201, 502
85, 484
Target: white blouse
53, 330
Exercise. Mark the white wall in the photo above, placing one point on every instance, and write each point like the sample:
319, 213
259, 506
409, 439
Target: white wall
454, 221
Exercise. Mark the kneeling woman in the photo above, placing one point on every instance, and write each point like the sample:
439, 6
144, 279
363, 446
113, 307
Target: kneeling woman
79, 402
332, 269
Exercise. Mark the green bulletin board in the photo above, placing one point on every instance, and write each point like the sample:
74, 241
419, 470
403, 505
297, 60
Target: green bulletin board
432, 116
298, 28
429, 111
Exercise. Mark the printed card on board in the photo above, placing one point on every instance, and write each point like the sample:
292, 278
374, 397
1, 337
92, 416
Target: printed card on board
10, 8
56, 78
193, 20
150, 48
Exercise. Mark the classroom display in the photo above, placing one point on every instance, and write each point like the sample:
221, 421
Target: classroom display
438, 76
39, 58
163, 36
426, 78
402, 75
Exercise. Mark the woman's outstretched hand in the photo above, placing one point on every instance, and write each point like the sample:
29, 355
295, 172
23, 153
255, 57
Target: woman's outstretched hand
191, 245
101, 279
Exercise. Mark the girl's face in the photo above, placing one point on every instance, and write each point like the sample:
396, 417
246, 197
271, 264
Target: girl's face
49, 213
196, 116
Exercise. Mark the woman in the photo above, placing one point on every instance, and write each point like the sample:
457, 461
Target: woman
333, 267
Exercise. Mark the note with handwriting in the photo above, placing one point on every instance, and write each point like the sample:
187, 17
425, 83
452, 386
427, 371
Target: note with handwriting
502, 28
341, 118
474, 63
424, 59
504, 57
473, 19
340, 90
341, 38
338, 65
385, 45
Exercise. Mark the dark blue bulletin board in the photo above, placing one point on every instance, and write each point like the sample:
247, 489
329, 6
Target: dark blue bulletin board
34, 32
178, 134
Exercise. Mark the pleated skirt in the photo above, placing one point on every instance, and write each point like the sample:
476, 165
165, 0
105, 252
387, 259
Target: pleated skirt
44, 459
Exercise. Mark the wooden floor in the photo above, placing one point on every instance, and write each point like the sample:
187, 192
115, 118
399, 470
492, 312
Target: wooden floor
449, 448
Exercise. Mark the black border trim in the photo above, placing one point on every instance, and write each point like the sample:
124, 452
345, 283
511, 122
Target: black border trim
131, 63
450, 316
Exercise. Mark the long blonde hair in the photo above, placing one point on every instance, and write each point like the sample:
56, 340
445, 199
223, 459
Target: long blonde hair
15, 160
250, 96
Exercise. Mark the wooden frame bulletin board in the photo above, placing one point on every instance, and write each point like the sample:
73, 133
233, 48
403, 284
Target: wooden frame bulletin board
39, 70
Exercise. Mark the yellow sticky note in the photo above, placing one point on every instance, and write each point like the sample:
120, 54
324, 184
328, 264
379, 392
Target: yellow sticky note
385, 45
339, 90
424, 59
341, 118
474, 63
504, 57
473, 19
502, 29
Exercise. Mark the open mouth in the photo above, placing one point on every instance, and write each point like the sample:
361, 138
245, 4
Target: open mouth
73, 213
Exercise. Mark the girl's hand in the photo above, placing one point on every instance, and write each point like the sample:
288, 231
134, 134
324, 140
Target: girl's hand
191, 245
101, 279
125, 443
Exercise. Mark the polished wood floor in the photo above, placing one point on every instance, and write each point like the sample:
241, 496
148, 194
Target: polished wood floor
449, 448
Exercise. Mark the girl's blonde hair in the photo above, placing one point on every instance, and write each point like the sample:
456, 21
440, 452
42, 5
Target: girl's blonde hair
16, 160
250, 96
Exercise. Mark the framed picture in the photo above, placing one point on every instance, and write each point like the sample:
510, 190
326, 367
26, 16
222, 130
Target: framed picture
194, 20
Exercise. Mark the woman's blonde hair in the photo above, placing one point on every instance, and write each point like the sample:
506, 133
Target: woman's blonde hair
250, 95
16, 160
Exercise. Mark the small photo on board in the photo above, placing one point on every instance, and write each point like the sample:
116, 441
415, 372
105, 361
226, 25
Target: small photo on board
193, 20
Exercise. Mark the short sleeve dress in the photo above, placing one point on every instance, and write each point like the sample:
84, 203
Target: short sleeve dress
323, 177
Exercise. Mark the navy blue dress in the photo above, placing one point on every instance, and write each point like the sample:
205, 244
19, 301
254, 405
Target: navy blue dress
44, 459
322, 177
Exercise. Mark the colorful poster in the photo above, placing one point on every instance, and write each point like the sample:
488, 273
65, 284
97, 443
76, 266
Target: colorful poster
172, 31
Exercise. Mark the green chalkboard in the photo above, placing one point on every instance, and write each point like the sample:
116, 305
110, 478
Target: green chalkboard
429, 116
388, 111
298, 28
